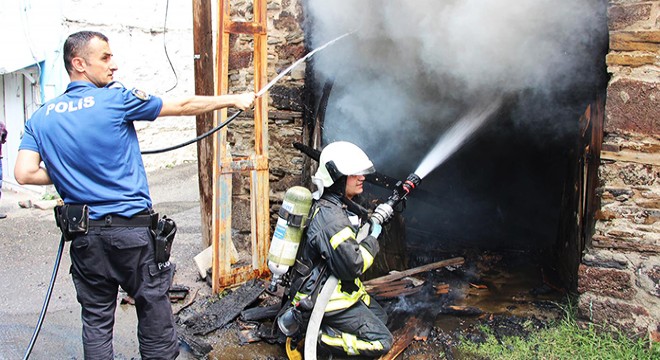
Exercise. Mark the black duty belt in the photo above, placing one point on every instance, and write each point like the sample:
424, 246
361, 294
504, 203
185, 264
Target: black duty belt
111, 220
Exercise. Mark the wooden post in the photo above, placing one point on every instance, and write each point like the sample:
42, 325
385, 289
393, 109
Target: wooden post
225, 165
204, 85
259, 177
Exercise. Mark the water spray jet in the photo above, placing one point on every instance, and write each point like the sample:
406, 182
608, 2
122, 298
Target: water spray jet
450, 141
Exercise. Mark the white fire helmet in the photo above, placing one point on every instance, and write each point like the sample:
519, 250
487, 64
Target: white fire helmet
340, 158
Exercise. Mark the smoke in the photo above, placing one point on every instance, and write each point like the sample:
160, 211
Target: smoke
413, 67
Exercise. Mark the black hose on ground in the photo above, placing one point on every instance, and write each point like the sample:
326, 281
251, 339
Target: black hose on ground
49, 292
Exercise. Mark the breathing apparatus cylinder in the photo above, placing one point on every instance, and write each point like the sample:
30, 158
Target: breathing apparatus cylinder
289, 229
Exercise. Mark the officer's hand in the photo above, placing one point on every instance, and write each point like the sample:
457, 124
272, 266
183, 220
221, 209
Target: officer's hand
382, 213
245, 100
376, 228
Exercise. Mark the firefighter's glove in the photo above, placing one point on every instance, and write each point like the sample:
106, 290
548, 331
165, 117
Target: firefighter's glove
375, 230
382, 213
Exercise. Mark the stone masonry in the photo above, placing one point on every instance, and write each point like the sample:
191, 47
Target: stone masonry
619, 278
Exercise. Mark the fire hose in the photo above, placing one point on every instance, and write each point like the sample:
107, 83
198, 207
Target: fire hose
399, 195
258, 94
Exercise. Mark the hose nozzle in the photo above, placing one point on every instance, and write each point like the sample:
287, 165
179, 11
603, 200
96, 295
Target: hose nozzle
403, 188
384, 211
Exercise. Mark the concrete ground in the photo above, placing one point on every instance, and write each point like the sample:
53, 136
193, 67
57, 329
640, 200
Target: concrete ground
28, 251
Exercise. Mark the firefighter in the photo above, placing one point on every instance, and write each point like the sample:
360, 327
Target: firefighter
354, 323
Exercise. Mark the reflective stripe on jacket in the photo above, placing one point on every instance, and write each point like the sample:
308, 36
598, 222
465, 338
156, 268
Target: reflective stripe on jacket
331, 238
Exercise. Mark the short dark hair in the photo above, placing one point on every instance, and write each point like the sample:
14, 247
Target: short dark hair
75, 46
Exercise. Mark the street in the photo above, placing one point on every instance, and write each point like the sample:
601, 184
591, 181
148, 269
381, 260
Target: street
28, 251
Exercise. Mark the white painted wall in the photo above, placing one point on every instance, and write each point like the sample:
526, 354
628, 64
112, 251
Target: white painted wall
137, 38
35, 30
28, 31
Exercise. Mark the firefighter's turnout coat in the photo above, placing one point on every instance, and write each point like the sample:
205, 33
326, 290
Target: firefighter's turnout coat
330, 247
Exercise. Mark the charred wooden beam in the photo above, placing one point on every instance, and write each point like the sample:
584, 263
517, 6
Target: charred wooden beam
221, 312
177, 292
394, 289
188, 303
441, 289
394, 285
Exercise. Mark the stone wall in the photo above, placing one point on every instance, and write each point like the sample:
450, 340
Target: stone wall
619, 278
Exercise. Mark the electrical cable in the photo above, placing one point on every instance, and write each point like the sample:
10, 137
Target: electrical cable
198, 138
24, 18
167, 55
44, 308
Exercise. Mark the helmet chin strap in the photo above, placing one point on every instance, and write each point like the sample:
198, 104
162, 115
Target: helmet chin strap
356, 208
338, 187
351, 205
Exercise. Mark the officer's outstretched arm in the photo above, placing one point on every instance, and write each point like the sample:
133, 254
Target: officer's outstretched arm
197, 105
28, 169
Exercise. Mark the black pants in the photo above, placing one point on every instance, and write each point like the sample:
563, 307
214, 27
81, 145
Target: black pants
358, 330
107, 258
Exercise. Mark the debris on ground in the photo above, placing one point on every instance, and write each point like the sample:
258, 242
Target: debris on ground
432, 308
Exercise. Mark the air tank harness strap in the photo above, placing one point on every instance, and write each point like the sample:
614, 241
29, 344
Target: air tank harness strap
292, 219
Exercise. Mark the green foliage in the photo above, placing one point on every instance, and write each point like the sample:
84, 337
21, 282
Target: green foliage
562, 340
49, 196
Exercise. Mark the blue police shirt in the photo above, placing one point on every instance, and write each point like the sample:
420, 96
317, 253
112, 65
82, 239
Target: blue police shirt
90, 148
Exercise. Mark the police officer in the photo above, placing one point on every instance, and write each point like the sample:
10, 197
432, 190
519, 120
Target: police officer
87, 141
353, 324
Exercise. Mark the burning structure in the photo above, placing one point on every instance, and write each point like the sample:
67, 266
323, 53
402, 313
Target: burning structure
562, 171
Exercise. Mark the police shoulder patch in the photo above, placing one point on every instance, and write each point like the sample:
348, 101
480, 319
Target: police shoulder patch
141, 94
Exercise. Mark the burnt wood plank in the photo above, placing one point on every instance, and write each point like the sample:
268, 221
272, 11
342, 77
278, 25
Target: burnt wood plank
415, 328
398, 293
226, 309
394, 285
198, 347
401, 274
260, 313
